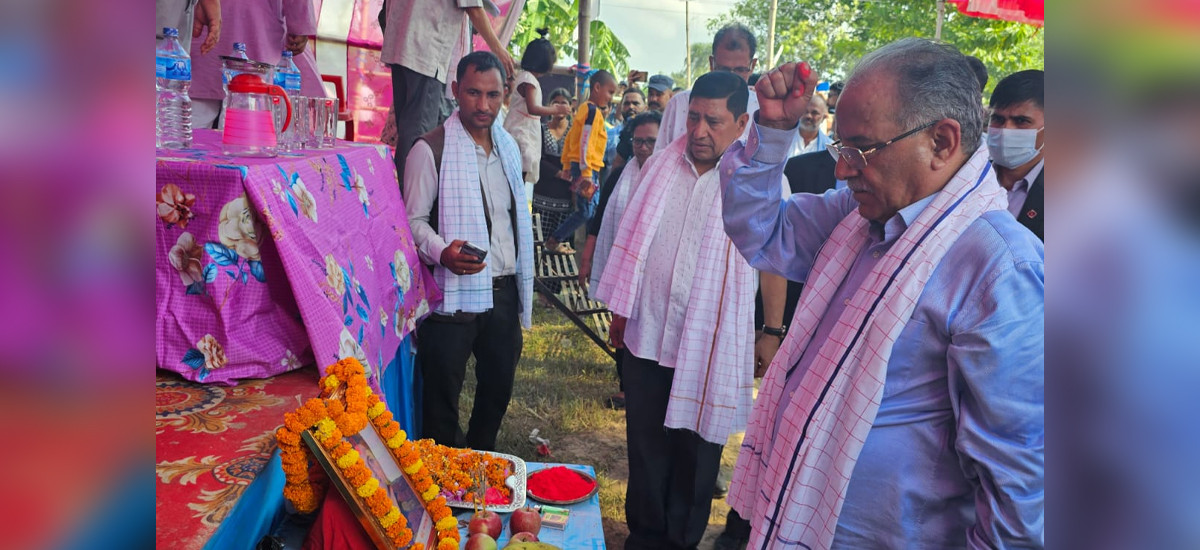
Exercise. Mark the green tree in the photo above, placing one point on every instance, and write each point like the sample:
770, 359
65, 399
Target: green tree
700, 53
832, 34
561, 17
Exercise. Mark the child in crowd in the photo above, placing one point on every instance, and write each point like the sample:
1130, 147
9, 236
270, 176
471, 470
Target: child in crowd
524, 119
583, 157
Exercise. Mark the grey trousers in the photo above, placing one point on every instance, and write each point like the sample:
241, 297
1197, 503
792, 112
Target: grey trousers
418, 101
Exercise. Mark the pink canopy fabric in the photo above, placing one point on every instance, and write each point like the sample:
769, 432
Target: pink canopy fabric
1031, 12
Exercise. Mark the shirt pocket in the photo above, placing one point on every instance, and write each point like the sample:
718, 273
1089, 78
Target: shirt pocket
913, 363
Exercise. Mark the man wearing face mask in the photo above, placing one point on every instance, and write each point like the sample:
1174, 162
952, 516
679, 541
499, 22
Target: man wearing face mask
1015, 139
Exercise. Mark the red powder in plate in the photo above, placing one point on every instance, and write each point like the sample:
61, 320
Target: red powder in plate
560, 483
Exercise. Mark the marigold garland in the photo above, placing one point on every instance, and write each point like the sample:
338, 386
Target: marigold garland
331, 420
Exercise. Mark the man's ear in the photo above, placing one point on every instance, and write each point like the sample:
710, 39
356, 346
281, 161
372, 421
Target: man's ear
753, 65
742, 121
454, 88
712, 63
947, 143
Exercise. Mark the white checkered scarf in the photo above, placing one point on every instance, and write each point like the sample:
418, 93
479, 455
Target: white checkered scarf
712, 388
791, 487
612, 219
461, 216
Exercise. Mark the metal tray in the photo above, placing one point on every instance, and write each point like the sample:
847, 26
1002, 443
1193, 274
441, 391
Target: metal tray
515, 482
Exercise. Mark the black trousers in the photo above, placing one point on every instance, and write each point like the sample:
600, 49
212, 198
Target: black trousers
443, 346
418, 102
672, 473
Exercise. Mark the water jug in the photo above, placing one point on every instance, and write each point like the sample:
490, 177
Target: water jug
250, 127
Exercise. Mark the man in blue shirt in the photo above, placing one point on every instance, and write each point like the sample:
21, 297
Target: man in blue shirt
952, 321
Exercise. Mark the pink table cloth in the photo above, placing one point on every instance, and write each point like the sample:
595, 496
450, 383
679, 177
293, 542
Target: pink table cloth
265, 265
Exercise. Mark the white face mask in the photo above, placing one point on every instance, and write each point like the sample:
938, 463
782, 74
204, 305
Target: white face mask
1012, 147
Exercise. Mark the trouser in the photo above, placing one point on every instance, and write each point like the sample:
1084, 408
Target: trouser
736, 527
444, 344
584, 210
672, 472
621, 369
205, 113
418, 102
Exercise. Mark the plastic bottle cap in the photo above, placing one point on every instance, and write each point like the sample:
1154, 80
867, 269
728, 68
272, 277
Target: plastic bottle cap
170, 31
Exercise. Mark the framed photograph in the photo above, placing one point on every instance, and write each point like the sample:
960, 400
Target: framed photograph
387, 471
367, 456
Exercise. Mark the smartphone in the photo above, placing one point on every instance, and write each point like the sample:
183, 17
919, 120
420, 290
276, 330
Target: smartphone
479, 253
637, 76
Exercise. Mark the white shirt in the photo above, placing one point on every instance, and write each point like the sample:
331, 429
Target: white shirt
421, 189
674, 122
1020, 189
421, 34
655, 331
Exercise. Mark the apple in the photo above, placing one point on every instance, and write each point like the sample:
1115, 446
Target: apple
486, 521
523, 536
525, 520
480, 541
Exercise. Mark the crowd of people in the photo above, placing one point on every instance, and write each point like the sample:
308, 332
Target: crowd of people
873, 254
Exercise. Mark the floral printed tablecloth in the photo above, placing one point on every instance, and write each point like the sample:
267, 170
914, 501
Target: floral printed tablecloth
265, 265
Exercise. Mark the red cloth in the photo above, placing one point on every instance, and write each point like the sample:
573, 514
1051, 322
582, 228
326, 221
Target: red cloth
336, 526
211, 443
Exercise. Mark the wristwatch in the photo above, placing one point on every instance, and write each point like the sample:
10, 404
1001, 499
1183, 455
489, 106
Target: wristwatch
775, 331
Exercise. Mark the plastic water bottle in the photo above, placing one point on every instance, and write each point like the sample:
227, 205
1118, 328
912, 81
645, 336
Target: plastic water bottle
173, 77
239, 51
287, 75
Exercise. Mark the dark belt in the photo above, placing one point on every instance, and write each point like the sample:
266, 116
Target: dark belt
499, 283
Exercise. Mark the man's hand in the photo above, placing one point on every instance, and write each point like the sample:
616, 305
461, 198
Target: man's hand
207, 14
459, 262
564, 110
783, 95
296, 43
765, 348
585, 260
616, 332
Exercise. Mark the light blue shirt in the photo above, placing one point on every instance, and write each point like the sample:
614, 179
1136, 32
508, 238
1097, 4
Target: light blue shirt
955, 457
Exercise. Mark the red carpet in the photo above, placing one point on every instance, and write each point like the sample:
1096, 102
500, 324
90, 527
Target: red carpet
211, 442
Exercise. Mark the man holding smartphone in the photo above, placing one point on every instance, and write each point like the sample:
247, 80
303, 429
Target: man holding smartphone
465, 200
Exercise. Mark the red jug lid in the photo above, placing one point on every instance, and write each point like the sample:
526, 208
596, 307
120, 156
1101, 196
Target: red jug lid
248, 84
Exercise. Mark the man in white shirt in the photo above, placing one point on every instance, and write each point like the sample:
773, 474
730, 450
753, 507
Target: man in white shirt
418, 43
682, 302
1016, 140
461, 191
733, 51
812, 138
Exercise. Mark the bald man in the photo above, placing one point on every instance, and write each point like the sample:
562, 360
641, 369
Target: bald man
812, 138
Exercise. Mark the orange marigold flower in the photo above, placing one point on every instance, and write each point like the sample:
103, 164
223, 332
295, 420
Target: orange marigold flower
379, 508
286, 437
447, 544
292, 421
404, 538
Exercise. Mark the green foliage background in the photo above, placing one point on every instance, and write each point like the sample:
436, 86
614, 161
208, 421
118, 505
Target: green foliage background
561, 17
832, 34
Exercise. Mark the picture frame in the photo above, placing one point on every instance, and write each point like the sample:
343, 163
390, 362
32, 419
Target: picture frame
369, 459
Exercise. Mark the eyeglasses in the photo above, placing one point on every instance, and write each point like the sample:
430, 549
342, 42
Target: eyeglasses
648, 142
857, 158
